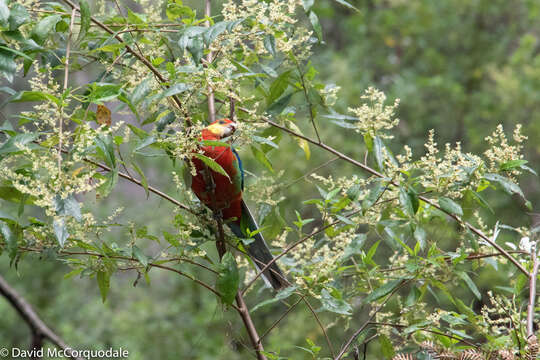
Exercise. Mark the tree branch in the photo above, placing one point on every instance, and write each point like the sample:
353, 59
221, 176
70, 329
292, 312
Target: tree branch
39, 329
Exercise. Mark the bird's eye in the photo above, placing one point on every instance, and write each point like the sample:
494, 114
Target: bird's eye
221, 122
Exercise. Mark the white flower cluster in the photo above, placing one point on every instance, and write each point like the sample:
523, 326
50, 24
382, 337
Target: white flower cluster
374, 116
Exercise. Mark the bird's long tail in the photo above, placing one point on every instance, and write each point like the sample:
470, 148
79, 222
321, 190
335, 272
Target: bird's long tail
258, 250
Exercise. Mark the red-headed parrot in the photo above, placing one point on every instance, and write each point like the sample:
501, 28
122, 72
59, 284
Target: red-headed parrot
226, 197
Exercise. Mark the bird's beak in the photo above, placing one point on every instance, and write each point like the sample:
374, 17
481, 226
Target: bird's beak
230, 129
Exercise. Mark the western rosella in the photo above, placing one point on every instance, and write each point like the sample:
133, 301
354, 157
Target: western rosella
224, 195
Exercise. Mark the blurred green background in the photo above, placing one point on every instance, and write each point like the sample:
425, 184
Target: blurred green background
459, 66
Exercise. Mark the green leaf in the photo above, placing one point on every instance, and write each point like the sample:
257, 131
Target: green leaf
281, 295
345, 3
214, 31
228, 279
4, 13
16, 52
141, 91
144, 182
101, 92
382, 291
17, 16
44, 27
212, 164
85, 19
8, 67
175, 89
512, 164
105, 149
387, 348
104, 283
507, 184
9, 237
139, 255
60, 231
29, 96
270, 44
314, 19
470, 284
378, 147
405, 202
261, 157
13, 143
450, 206
307, 4
68, 206
304, 145
420, 237
335, 305
278, 87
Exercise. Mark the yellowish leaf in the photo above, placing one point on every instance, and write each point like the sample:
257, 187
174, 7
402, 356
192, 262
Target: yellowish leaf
103, 115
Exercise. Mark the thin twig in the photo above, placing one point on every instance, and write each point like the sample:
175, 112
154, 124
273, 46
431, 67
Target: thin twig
370, 319
426, 330
280, 318
211, 101
423, 198
532, 291
139, 56
66, 77
310, 105
327, 338
38, 327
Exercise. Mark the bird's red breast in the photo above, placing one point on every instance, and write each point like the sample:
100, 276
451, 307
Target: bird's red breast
227, 194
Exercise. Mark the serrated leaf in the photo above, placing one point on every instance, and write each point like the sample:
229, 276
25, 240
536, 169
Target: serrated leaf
450, 206
212, 164
214, 31
278, 87
261, 157
378, 147
420, 237
507, 184
103, 280
68, 206
139, 255
60, 231
345, 3
13, 144
281, 295
4, 13
18, 16
228, 279
270, 44
85, 19
30, 96
44, 27
405, 202
314, 19
512, 164
335, 305
387, 349
304, 145
176, 89
382, 291
144, 182
465, 277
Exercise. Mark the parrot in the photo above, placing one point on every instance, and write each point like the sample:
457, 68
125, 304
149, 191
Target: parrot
223, 195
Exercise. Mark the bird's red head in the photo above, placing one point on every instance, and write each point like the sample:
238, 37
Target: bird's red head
219, 129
